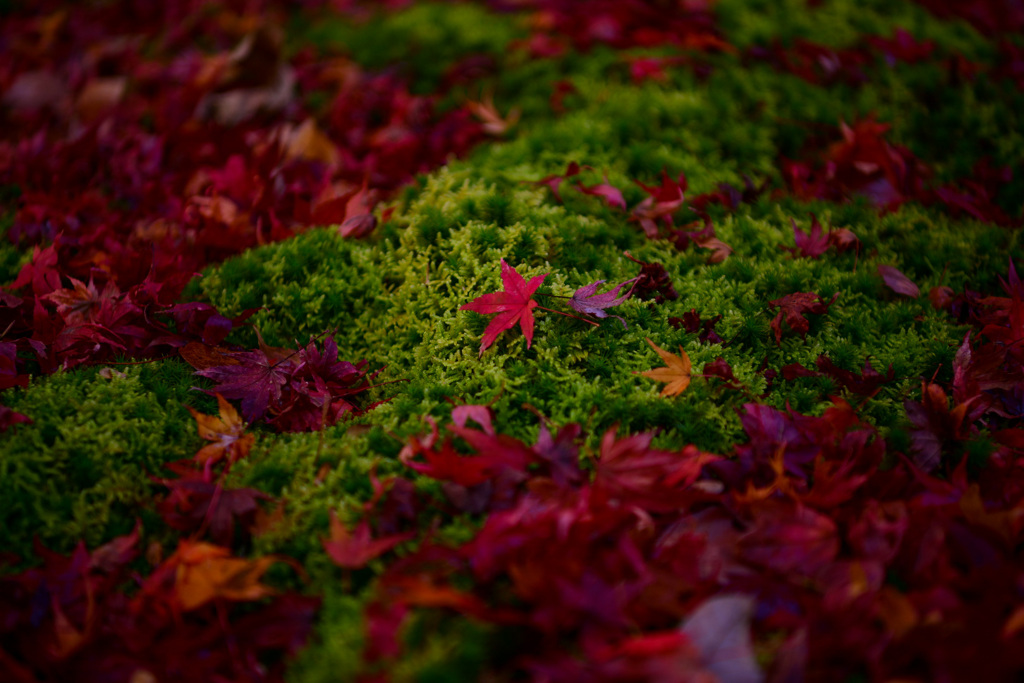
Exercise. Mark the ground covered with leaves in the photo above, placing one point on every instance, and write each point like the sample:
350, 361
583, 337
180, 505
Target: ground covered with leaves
521, 340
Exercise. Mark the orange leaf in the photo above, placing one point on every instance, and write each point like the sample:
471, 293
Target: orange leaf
226, 433
493, 122
206, 572
676, 372
203, 356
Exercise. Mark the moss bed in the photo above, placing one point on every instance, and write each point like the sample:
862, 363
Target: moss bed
862, 519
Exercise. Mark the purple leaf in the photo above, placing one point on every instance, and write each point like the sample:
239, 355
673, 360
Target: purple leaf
609, 192
898, 282
585, 301
256, 381
720, 630
809, 244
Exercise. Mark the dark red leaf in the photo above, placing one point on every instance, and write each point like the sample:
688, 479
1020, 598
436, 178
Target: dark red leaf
867, 383
352, 550
792, 308
653, 282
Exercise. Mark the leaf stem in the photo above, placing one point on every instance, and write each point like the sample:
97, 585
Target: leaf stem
568, 315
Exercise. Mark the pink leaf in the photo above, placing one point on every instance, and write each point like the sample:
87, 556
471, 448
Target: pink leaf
898, 282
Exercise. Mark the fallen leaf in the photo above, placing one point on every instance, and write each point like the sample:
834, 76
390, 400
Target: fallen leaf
226, 432
352, 550
206, 572
898, 282
584, 300
676, 372
792, 308
514, 305
720, 629
611, 194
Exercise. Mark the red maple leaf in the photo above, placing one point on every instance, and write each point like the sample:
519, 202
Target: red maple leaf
554, 182
445, 464
352, 550
611, 194
195, 502
792, 308
809, 244
514, 305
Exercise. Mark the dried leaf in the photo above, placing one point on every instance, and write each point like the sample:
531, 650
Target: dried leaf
676, 372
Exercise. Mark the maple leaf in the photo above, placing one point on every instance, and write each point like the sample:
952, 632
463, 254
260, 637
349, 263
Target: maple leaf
676, 372
195, 501
867, 383
514, 305
584, 300
255, 379
792, 308
936, 426
704, 238
704, 329
653, 281
448, 465
554, 182
226, 432
721, 369
661, 204
493, 122
350, 207
202, 356
10, 418
352, 550
205, 572
902, 47
611, 194
809, 245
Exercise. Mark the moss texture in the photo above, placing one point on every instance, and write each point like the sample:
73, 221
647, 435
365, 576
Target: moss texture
81, 471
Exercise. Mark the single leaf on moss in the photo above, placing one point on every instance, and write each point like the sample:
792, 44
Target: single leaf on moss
792, 309
514, 305
554, 182
676, 373
898, 282
226, 432
584, 300
611, 194
352, 550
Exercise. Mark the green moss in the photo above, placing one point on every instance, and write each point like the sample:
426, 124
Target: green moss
12, 258
81, 470
423, 41
841, 24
